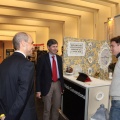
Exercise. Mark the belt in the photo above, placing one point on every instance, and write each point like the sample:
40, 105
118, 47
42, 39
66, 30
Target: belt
116, 98
56, 80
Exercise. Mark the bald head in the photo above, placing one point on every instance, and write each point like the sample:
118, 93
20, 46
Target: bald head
24, 43
18, 38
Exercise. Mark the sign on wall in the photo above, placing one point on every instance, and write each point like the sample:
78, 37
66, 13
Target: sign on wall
9, 52
76, 49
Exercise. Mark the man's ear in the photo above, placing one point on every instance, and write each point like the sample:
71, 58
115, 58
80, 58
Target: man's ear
48, 47
119, 48
22, 43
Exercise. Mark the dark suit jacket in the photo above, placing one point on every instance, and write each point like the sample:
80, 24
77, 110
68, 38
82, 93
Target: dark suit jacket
44, 74
16, 88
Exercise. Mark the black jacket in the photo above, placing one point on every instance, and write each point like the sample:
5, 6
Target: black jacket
16, 88
44, 74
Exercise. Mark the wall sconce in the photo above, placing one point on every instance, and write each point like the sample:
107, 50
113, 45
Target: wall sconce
110, 19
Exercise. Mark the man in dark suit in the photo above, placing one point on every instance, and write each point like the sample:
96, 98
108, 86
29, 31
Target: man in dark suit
47, 85
17, 81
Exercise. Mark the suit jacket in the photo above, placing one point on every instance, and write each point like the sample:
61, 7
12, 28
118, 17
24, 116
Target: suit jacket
16, 88
44, 74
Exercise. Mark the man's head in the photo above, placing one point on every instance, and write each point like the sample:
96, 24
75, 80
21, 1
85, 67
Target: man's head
115, 45
24, 43
52, 46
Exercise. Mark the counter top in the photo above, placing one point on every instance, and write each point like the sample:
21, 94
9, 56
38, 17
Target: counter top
94, 81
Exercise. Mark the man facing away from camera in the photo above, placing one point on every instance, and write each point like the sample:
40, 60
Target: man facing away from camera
17, 82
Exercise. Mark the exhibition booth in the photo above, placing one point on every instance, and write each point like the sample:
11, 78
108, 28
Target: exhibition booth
91, 58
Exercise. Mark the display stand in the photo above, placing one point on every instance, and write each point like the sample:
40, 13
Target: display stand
81, 100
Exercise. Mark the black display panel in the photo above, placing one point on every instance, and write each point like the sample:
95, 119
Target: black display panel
73, 101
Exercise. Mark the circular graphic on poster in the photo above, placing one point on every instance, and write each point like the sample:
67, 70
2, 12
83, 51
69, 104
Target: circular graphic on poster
105, 56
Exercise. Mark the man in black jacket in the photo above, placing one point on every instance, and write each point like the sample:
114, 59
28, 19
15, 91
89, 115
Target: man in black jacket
17, 81
49, 82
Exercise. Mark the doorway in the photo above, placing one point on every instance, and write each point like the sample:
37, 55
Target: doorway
1, 51
4, 46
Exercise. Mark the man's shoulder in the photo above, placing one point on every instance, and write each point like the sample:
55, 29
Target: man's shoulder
43, 56
59, 57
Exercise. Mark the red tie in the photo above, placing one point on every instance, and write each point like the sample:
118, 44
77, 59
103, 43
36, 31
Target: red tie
54, 70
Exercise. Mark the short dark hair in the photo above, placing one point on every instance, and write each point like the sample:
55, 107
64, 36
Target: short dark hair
116, 39
18, 38
51, 42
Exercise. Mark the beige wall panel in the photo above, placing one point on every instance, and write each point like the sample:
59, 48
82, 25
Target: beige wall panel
87, 26
8, 38
71, 27
8, 31
69, 20
11, 33
114, 11
58, 13
42, 35
52, 7
104, 14
56, 32
64, 12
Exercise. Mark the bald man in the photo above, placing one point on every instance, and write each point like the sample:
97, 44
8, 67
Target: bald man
17, 81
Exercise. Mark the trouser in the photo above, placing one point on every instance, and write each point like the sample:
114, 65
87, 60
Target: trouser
115, 110
52, 102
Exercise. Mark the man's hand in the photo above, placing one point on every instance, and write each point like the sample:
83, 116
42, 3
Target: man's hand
38, 95
62, 92
2, 117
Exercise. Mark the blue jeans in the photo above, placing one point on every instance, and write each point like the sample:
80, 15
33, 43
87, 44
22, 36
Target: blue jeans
115, 110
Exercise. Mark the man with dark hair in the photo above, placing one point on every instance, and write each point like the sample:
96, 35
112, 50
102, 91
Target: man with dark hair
115, 85
49, 80
17, 82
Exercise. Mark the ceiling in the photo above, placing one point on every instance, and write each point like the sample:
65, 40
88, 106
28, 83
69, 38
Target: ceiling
78, 4
44, 13
63, 6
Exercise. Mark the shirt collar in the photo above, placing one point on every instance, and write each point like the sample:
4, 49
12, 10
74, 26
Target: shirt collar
51, 55
117, 55
20, 52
